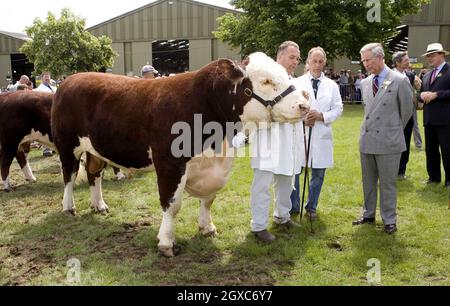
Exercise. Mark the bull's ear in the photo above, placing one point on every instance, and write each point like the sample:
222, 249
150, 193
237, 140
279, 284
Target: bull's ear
230, 69
305, 94
245, 62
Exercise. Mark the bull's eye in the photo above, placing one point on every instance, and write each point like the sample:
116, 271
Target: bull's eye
267, 83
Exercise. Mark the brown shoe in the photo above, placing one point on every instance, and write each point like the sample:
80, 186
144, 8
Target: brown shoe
311, 215
363, 220
264, 236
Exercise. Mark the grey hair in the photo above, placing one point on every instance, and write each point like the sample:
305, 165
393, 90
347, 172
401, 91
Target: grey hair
317, 49
376, 49
285, 45
397, 57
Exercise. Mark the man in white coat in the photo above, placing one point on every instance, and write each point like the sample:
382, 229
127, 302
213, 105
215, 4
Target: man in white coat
46, 87
326, 106
276, 157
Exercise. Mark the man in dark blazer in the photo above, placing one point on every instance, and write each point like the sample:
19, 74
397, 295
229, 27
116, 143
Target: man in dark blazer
435, 93
401, 64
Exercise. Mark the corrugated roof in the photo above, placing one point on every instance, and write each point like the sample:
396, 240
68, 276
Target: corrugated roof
19, 36
158, 2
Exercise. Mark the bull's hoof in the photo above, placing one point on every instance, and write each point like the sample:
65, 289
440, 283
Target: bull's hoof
7, 190
209, 231
169, 252
31, 180
70, 213
101, 209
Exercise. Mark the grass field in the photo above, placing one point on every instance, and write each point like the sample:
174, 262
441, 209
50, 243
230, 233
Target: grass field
37, 241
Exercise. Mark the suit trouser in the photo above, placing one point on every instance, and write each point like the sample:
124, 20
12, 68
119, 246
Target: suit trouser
437, 136
416, 131
260, 199
405, 155
380, 170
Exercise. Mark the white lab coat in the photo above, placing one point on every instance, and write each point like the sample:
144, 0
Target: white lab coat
44, 88
329, 102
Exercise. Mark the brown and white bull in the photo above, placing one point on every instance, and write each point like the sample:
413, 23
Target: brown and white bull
129, 122
24, 117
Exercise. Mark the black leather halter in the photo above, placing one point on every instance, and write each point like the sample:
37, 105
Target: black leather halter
270, 103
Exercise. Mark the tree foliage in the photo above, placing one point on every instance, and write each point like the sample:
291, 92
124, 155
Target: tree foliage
63, 46
340, 27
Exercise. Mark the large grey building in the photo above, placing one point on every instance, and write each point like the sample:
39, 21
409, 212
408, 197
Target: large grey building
172, 35
12, 63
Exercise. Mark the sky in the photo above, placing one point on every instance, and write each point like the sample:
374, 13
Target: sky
15, 17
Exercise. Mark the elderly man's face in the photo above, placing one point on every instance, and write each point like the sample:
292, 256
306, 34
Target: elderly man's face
289, 59
404, 64
316, 63
435, 59
372, 63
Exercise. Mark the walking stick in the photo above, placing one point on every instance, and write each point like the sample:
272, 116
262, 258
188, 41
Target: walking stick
306, 179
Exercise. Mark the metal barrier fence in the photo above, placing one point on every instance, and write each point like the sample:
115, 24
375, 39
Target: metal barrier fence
350, 93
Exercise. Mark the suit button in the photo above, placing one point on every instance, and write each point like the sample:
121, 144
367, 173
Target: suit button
378, 132
367, 118
378, 118
367, 131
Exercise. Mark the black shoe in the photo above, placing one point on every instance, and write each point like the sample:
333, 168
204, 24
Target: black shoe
447, 184
402, 177
264, 236
390, 229
363, 220
290, 224
311, 215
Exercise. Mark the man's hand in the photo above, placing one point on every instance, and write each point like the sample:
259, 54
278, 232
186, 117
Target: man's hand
312, 117
428, 96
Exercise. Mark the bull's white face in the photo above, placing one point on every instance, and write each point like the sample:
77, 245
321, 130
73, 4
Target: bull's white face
270, 80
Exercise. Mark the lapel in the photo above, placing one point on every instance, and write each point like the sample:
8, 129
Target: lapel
440, 74
381, 91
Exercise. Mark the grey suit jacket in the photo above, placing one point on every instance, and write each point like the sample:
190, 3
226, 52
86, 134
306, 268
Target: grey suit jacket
386, 114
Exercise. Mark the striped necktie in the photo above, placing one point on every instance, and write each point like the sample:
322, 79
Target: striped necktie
433, 76
375, 85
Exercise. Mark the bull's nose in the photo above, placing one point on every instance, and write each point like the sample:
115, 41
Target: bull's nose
304, 107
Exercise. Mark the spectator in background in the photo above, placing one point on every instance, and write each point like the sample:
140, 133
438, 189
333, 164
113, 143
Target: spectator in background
400, 61
46, 87
149, 72
46, 83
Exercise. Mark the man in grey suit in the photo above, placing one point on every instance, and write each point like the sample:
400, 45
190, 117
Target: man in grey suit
387, 97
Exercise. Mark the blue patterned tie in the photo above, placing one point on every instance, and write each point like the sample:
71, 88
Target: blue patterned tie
375, 85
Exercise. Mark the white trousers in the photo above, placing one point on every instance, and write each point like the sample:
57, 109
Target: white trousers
260, 199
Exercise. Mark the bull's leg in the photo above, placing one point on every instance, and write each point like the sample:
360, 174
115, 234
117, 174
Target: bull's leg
7, 153
171, 204
205, 223
94, 168
70, 166
21, 157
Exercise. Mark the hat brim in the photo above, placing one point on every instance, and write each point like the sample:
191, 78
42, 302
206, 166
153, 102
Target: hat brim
436, 51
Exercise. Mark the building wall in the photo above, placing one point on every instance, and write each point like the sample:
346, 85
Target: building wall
5, 69
119, 63
223, 50
142, 55
200, 53
9, 45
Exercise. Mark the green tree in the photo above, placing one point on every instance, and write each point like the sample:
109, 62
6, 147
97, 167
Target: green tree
340, 27
63, 46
